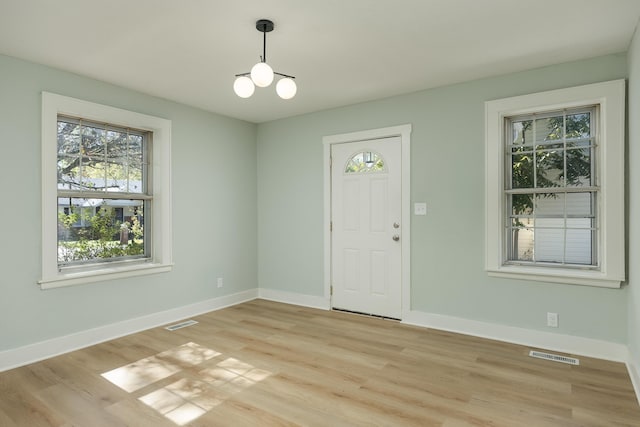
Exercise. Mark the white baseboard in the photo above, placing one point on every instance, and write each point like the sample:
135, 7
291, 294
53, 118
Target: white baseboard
42, 350
294, 298
634, 373
528, 337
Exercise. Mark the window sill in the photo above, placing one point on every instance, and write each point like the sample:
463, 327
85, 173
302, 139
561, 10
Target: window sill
102, 274
557, 275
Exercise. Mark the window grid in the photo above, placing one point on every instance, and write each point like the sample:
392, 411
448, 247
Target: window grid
139, 202
532, 220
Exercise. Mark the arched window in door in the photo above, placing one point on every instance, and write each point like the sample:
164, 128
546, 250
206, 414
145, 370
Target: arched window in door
365, 161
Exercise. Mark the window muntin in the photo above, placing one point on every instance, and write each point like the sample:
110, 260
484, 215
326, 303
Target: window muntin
367, 161
550, 190
102, 172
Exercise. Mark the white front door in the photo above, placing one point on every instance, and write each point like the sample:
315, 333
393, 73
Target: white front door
366, 254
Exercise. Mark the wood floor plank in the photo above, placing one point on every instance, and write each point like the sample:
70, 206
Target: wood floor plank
271, 364
131, 412
5, 421
76, 408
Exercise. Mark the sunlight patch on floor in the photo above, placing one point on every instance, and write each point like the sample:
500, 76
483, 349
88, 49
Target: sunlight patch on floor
140, 374
186, 399
144, 372
189, 353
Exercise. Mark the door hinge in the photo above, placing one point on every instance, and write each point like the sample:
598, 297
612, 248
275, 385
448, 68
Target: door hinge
331, 290
330, 225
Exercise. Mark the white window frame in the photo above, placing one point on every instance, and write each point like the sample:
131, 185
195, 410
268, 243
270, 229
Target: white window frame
610, 97
160, 220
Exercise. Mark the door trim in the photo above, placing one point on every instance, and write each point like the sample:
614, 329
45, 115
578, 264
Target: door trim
404, 132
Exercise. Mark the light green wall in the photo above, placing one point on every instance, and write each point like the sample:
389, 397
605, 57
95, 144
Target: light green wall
214, 211
221, 178
633, 197
447, 172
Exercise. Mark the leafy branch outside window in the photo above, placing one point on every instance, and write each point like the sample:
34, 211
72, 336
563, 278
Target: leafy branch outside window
546, 153
102, 238
549, 170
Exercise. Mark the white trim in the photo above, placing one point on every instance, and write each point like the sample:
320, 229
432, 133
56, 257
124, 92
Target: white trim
303, 300
404, 132
161, 259
102, 274
610, 96
31, 353
528, 337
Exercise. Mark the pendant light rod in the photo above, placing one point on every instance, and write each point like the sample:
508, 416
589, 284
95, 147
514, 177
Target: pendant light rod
264, 47
264, 26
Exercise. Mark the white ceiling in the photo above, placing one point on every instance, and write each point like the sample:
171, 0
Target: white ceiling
341, 51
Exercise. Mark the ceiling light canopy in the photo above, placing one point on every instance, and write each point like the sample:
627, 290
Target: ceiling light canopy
262, 74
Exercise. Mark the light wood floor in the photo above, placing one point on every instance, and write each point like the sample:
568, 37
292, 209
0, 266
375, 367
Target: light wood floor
263, 363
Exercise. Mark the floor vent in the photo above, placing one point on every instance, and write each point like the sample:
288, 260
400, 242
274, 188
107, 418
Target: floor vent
181, 325
554, 357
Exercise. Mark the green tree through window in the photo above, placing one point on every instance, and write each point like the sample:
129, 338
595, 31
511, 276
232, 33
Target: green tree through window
100, 169
550, 190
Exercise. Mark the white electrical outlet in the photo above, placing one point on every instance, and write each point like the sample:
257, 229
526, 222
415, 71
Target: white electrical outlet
220, 282
552, 320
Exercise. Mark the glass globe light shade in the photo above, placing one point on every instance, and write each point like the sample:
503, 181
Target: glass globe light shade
262, 74
243, 87
286, 88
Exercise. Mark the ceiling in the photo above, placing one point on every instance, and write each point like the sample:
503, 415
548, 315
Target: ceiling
341, 51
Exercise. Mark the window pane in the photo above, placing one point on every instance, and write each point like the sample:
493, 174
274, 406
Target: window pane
549, 240
581, 204
522, 132
91, 229
549, 130
68, 155
117, 146
578, 126
579, 246
521, 244
579, 167
135, 164
93, 158
550, 204
522, 204
522, 171
549, 168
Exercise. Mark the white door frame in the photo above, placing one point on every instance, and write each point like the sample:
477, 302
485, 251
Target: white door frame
404, 132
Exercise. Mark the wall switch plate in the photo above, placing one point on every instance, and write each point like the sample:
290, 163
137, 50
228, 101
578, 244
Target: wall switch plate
552, 320
420, 208
220, 282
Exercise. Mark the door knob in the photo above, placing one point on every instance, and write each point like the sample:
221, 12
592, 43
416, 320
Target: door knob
395, 237
396, 225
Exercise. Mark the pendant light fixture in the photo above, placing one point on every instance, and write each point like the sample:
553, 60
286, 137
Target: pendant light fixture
262, 74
